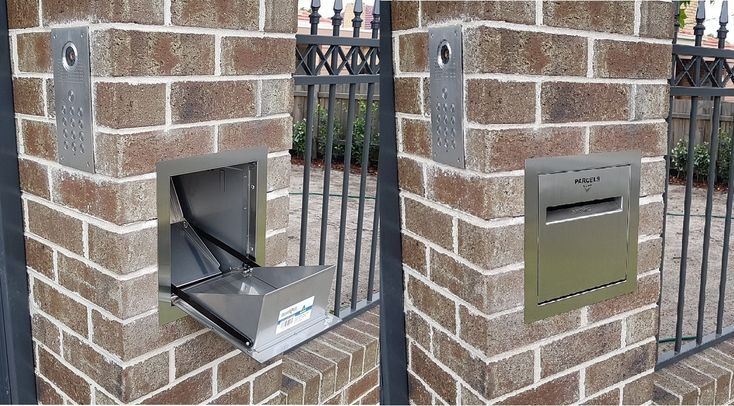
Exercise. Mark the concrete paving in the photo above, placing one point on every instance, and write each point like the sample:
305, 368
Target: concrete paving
331, 249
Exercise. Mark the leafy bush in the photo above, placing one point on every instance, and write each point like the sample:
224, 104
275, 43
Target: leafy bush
702, 159
339, 141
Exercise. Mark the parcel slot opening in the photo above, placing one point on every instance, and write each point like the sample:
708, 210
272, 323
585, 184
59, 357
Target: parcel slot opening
581, 210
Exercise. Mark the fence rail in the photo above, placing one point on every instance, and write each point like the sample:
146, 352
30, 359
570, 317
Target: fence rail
337, 64
698, 74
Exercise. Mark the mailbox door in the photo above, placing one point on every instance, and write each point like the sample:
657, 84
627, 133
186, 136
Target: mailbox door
583, 230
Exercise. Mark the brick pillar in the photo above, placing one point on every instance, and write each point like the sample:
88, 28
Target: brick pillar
170, 79
541, 79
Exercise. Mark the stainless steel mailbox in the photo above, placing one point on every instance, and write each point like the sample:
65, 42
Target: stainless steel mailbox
582, 215
211, 236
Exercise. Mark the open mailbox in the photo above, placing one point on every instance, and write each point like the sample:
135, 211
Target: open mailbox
211, 236
581, 220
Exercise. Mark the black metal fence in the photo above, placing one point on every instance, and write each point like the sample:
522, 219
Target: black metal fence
699, 74
334, 60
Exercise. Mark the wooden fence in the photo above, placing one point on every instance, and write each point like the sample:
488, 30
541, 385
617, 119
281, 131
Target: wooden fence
681, 118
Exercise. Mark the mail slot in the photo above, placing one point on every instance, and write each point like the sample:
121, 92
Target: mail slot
211, 240
582, 215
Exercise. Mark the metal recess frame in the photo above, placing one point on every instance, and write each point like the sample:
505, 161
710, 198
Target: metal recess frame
534, 309
165, 170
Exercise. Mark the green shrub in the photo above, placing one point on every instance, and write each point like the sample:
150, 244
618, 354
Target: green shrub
702, 159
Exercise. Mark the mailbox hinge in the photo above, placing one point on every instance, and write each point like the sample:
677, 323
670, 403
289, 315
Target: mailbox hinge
247, 262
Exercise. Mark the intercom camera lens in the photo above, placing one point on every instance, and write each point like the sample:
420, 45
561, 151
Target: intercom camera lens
69, 55
444, 53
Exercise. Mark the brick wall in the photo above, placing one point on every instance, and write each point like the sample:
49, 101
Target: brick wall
541, 79
170, 79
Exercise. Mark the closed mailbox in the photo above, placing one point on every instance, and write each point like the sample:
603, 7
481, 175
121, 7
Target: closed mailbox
582, 215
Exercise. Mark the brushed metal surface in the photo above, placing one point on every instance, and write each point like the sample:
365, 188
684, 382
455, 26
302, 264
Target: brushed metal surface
72, 96
447, 94
587, 251
166, 171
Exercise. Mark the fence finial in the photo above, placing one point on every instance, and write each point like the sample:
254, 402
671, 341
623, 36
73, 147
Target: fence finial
337, 19
699, 28
357, 20
723, 21
376, 16
315, 17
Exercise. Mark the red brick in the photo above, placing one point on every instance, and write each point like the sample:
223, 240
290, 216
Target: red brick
417, 391
34, 52
436, 378
506, 150
436, 11
487, 198
142, 335
492, 247
414, 254
563, 102
47, 395
648, 289
604, 16
356, 351
61, 307
237, 396
266, 384
492, 101
277, 213
123, 155
362, 386
651, 101
669, 389
276, 134
234, 14
28, 96
73, 386
206, 101
413, 50
120, 203
607, 398
705, 386
639, 391
139, 53
249, 56
234, 369
405, 15
407, 95
578, 348
641, 326
39, 139
309, 379
432, 303
489, 293
340, 358
22, 13
200, 350
491, 379
437, 231
370, 343
123, 299
410, 175
33, 178
620, 367
191, 390
649, 139
655, 18
523, 52
651, 218
652, 178
39, 257
123, 105
294, 392
563, 390
325, 368
481, 332
55, 226
125, 383
122, 253
417, 329
46, 332
123, 11
280, 16
638, 60
416, 136
276, 97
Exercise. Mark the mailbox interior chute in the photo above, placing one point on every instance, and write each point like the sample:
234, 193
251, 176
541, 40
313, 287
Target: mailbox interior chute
215, 235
